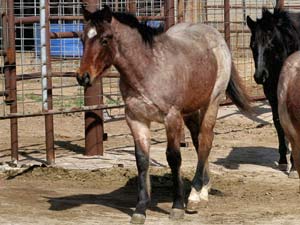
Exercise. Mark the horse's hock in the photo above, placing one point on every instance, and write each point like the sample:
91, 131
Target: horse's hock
38, 62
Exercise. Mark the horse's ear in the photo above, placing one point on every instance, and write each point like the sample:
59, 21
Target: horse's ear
266, 14
86, 14
251, 23
106, 13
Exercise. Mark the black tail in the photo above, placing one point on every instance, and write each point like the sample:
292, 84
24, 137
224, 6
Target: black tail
237, 93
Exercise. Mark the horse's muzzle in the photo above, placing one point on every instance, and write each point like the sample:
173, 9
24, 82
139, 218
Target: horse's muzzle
84, 80
260, 78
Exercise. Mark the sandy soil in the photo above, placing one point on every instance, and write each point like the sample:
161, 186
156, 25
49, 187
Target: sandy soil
247, 187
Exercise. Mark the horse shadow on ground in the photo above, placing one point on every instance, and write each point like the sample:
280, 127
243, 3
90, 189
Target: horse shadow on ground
261, 156
124, 199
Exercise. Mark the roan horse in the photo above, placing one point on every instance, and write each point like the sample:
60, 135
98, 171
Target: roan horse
289, 104
172, 78
274, 37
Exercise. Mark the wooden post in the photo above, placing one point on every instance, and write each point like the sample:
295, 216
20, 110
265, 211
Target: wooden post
131, 6
93, 119
169, 13
180, 14
11, 56
279, 4
227, 21
49, 126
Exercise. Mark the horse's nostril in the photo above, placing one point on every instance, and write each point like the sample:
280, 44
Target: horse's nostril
86, 78
265, 73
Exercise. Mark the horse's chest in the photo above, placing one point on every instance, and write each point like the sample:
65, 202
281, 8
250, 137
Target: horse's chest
142, 107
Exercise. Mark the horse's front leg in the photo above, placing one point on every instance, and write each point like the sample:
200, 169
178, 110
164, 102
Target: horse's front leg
141, 134
173, 123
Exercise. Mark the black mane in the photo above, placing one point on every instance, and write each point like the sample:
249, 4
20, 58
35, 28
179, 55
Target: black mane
148, 33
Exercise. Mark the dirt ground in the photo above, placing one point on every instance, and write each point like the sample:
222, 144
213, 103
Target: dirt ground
247, 186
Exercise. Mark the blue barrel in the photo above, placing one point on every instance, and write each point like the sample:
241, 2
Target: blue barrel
62, 47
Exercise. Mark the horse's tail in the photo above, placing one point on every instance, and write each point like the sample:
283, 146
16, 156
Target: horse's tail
236, 91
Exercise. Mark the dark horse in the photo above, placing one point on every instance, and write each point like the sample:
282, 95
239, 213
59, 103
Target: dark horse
274, 37
289, 104
176, 77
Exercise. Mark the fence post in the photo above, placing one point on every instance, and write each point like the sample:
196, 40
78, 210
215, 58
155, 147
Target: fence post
227, 21
279, 4
5, 41
47, 79
180, 9
11, 56
131, 6
93, 119
169, 13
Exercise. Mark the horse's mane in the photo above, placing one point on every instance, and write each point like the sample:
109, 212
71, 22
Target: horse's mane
286, 23
148, 33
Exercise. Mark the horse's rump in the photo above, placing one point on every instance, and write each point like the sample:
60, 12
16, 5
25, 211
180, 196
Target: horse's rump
289, 95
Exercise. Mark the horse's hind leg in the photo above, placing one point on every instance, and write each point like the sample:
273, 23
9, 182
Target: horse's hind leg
296, 155
201, 182
282, 162
141, 134
193, 124
173, 124
283, 146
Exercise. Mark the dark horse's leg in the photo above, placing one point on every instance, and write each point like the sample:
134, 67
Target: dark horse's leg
141, 134
283, 148
173, 123
201, 182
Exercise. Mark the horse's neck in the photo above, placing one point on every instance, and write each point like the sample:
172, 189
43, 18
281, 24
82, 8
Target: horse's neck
133, 55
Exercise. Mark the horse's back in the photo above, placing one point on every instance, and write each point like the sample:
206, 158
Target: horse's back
197, 32
289, 95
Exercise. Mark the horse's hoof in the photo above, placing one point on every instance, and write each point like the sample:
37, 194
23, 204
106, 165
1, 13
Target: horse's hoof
138, 218
293, 174
283, 167
176, 214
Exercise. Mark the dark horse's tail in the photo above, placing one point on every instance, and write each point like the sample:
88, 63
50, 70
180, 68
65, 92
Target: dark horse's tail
236, 91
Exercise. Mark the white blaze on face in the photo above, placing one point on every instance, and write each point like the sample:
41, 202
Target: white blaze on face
92, 33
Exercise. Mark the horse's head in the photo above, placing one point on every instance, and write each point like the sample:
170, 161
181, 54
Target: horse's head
98, 44
268, 44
